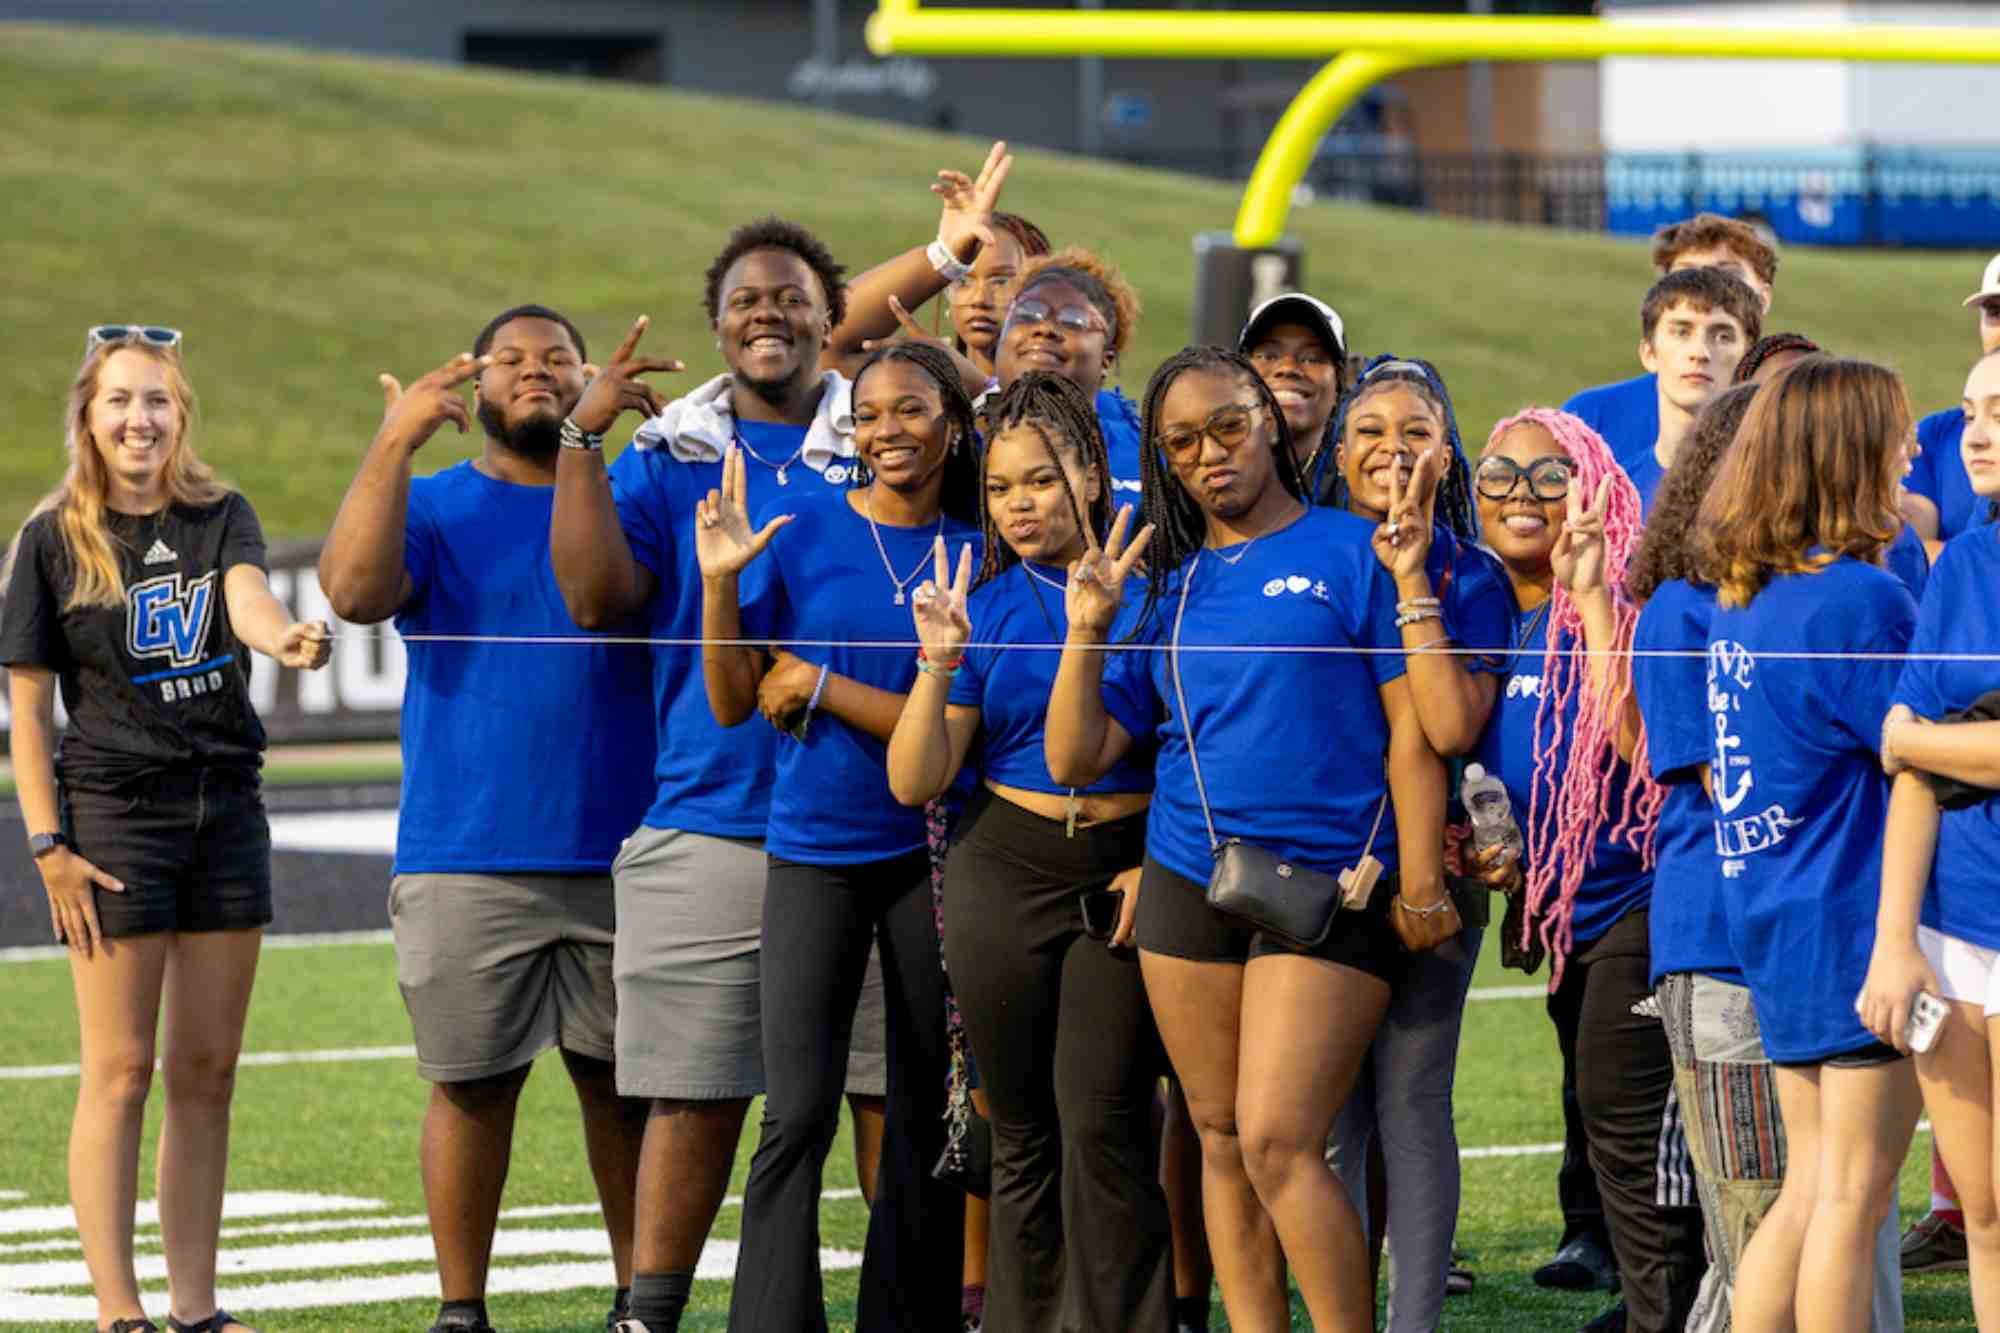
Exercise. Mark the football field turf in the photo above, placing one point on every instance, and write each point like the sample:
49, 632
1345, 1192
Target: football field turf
325, 1225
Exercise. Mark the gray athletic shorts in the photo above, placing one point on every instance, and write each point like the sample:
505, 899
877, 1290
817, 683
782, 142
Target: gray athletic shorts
496, 969
690, 915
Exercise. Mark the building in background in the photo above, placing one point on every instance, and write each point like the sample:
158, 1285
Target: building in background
1824, 152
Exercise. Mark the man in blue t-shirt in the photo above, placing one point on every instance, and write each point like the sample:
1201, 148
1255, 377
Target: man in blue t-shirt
524, 765
1938, 498
1627, 413
1694, 326
690, 880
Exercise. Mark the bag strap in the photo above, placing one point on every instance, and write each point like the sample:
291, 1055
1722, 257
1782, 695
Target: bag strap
1180, 697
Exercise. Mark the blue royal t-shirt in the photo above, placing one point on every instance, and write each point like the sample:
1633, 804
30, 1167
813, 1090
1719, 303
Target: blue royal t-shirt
705, 779
1907, 559
1800, 800
1961, 614
1010, 686
1690, 932
819, 590
1938, 474
517, 757
1118, 418
1291, 744
1627, 415
1478, 600
1616, 880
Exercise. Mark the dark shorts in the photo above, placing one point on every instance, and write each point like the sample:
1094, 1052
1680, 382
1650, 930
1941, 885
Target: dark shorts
1175, 919
1861, 1057
192, 849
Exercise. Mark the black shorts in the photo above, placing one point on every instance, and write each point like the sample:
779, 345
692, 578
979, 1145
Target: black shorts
1175, 919
1866, 1056
193, 850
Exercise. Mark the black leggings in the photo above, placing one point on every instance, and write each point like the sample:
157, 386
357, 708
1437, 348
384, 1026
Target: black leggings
1624, 1076
818, 922
1069, 1057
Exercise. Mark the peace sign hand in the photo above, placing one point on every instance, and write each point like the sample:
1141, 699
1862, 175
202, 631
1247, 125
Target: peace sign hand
411, 416
938, 609
723, 541
967, 220
1403, 541
1097, 579
910, 329
1579, 554
617, 389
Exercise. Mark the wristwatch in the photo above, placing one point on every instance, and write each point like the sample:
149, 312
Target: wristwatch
573, 436
41, 844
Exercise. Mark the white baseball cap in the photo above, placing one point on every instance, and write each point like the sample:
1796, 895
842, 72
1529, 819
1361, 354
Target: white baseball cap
1989, 286
1298, 308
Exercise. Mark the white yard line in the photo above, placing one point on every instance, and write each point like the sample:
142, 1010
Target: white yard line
41, 953
248, 1060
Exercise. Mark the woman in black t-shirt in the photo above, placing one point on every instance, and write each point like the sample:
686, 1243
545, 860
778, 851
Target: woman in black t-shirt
140, 587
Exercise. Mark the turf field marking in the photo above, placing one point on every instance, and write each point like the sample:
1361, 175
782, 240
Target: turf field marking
247, 1204
42, 953
249, 1059
1478, 993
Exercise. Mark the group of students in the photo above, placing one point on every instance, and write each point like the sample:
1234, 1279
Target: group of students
1183, 670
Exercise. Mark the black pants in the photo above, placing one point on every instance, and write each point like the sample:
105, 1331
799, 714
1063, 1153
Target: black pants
1576, 1183
1069, 1058
818, 922
1624, 1076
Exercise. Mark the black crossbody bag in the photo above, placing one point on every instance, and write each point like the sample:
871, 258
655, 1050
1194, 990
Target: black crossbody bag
1253, 883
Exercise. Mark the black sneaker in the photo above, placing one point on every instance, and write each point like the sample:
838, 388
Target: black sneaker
1581, 1265
1611, 1321
457, 1323
1932, 1245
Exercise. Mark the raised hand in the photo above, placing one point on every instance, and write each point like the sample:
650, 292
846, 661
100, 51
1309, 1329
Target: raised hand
69, 880
411, 416
1097, 579
1402, 542
306, 646
938, 608
723, 540
1578, 557
966, 222
908, 328
617, 389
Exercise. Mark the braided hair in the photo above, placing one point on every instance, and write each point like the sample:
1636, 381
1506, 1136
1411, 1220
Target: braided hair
959, 494
1065, 419
1180, 527
1456, 508
1032, 240
1575, 802
1768, 346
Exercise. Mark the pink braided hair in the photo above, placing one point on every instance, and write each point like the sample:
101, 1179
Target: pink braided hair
1570, 805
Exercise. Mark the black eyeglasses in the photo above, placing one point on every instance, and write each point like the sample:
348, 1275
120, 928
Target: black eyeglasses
1548, 478
1070, 318
154, 334
1228, 425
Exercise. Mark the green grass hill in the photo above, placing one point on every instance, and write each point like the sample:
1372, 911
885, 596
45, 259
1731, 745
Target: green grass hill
313, 220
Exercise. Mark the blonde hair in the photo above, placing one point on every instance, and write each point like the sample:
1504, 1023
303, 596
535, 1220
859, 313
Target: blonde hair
79, 502
1808, 479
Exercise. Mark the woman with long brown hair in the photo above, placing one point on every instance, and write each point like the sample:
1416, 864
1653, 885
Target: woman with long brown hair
1802, 669
139, 587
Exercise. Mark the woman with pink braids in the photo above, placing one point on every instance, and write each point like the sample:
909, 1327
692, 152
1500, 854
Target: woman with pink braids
1564, 520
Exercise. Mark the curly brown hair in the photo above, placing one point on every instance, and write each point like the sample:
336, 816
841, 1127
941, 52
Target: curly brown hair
1712, 231
1810, 479
1100, 282
1665, 551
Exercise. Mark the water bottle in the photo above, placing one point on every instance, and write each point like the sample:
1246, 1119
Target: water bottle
1485, 799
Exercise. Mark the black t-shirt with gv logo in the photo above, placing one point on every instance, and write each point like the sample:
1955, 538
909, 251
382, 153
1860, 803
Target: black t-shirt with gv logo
160, 681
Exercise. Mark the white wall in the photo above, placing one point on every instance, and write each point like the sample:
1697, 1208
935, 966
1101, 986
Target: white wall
1720, 105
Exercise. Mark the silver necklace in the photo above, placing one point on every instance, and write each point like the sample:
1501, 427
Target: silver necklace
778, 468
868, 503
1237, 559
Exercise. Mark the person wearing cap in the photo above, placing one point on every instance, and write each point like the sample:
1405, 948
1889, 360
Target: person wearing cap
1939, 500
1627, 414
1299, 346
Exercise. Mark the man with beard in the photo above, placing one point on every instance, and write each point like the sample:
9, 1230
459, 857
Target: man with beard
691, 880
524, 766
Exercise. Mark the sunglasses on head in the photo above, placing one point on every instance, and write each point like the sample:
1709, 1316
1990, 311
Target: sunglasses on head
1548, 478
1070, 318
153, 334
